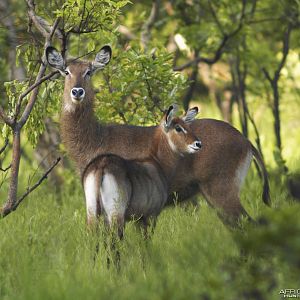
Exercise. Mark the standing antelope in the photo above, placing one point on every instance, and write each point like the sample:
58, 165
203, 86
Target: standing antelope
217, 171
123, 189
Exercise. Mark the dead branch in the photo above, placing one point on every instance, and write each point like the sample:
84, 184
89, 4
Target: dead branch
4, 146
7, 210
5, 169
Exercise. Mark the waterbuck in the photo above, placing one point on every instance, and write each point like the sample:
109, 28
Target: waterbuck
217, 171
124, 189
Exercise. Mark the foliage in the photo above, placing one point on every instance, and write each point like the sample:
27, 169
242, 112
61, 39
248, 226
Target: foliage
47, 105
89, 16
139, 87
46, 250
269, 249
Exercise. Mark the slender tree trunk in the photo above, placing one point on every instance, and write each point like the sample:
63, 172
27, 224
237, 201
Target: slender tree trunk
15, 164
276, 113
273, 81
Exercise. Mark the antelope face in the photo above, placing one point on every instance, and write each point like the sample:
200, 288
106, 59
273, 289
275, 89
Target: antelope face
180, 136
78, 74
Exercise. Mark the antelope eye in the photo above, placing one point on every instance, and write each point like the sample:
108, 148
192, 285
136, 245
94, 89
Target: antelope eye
66, 72
88, 73
178, 128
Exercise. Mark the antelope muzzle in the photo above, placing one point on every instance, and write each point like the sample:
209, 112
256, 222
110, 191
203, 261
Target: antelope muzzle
77, 94
196, 146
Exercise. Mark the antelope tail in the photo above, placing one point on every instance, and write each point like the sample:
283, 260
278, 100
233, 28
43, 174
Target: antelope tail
266, 188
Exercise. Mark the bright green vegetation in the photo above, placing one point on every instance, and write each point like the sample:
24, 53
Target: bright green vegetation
47, 252
46, 249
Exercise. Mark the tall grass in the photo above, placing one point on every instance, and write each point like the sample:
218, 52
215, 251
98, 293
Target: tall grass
47, 252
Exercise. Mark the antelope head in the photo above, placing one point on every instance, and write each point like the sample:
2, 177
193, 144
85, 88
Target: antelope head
178, 131
78, 88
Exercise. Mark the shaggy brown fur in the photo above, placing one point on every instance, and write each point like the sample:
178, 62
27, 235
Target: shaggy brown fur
139, 188
213, 171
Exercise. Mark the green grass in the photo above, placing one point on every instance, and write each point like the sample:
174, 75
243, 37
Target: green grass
46, 252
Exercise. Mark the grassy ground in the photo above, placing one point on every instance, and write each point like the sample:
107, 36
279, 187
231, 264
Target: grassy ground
47, 252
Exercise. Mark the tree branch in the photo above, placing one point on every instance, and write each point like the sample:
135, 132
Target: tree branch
39, 79
274, 84
285, 51
209, 61
32, 87
6, 119
41, 24
8, 209
220, 49
267, 75
5, 169
12, 202
146, 29
4, 146
215, 16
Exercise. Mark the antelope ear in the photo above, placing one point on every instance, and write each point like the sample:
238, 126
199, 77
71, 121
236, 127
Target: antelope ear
190, 115
169, 115
55, 59
102, 58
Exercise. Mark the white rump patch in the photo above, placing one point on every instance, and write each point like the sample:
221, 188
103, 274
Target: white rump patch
242, 170
90, 190
111, 196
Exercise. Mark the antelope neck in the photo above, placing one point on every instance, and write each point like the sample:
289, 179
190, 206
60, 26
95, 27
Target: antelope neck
164, 155
81, 133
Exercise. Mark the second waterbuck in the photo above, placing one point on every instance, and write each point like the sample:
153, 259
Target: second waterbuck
124, 189
217, 171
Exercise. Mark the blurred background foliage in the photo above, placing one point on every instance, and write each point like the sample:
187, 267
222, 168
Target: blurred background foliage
219, 55
238, 60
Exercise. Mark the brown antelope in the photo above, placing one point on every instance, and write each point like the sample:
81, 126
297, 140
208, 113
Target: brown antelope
124, 189
217, 171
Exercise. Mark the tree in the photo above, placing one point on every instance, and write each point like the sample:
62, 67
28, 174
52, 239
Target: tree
138, 84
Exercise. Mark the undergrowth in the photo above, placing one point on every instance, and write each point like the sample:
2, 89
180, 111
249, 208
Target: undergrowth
47, 252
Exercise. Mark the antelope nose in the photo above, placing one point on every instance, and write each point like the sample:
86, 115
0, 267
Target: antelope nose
198, 144
77, 93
